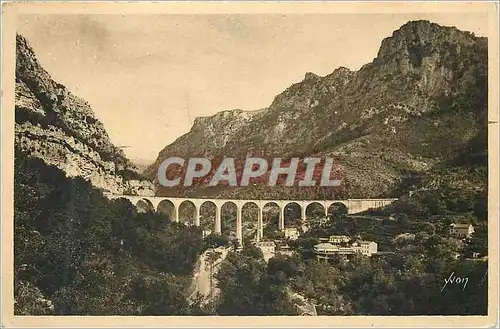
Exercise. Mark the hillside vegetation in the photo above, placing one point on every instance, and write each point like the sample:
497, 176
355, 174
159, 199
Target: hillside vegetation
78, 253
414, 108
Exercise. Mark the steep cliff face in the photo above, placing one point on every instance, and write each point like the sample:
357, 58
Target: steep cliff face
61, 129
420, 101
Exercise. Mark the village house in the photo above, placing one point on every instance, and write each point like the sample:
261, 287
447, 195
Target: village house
292, 233
327, 250
336, 239
366, 248
339, 239
268, 249
461, 230
284, 250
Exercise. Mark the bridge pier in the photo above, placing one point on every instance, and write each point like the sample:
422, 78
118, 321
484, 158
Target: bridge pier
176, 213
218, 228
281, 223
239, 232
352, 205
197, 215
260, 226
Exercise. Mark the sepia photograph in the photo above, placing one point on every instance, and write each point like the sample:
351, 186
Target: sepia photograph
197, 161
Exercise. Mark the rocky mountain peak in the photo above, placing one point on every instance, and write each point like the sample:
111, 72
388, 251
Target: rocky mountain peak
61, 129
405, 111
341, 71
417, 39
310, 76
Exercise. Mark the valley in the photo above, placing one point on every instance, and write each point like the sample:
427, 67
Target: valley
406, 205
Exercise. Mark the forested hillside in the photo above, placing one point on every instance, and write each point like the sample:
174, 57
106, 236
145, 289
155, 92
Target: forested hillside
411, 124
76, 252
417, 255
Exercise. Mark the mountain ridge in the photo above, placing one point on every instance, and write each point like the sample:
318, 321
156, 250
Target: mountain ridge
427, 80
53, 124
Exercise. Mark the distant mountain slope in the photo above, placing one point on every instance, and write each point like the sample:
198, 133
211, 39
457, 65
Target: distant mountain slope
58, 127
416, 105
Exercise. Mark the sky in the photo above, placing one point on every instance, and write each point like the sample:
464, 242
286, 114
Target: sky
147, 77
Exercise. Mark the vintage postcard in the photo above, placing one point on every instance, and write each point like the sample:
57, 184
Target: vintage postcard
249, 164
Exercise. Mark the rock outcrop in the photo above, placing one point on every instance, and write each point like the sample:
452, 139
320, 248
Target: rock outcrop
420, 102
60, 128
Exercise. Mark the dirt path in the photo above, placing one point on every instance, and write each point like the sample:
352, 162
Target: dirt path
204, 282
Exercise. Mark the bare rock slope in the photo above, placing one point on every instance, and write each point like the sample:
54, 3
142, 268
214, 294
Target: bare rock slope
419, 103
60, 128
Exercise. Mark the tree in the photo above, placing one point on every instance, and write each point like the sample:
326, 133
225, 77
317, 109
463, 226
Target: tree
76, 252
215, 240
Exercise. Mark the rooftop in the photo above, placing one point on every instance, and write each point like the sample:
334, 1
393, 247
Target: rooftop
324, 245
460, 225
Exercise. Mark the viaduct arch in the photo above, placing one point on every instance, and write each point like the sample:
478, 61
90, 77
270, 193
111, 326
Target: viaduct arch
173, 204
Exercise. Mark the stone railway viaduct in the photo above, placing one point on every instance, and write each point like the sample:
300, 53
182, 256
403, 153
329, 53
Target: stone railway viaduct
155, 203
